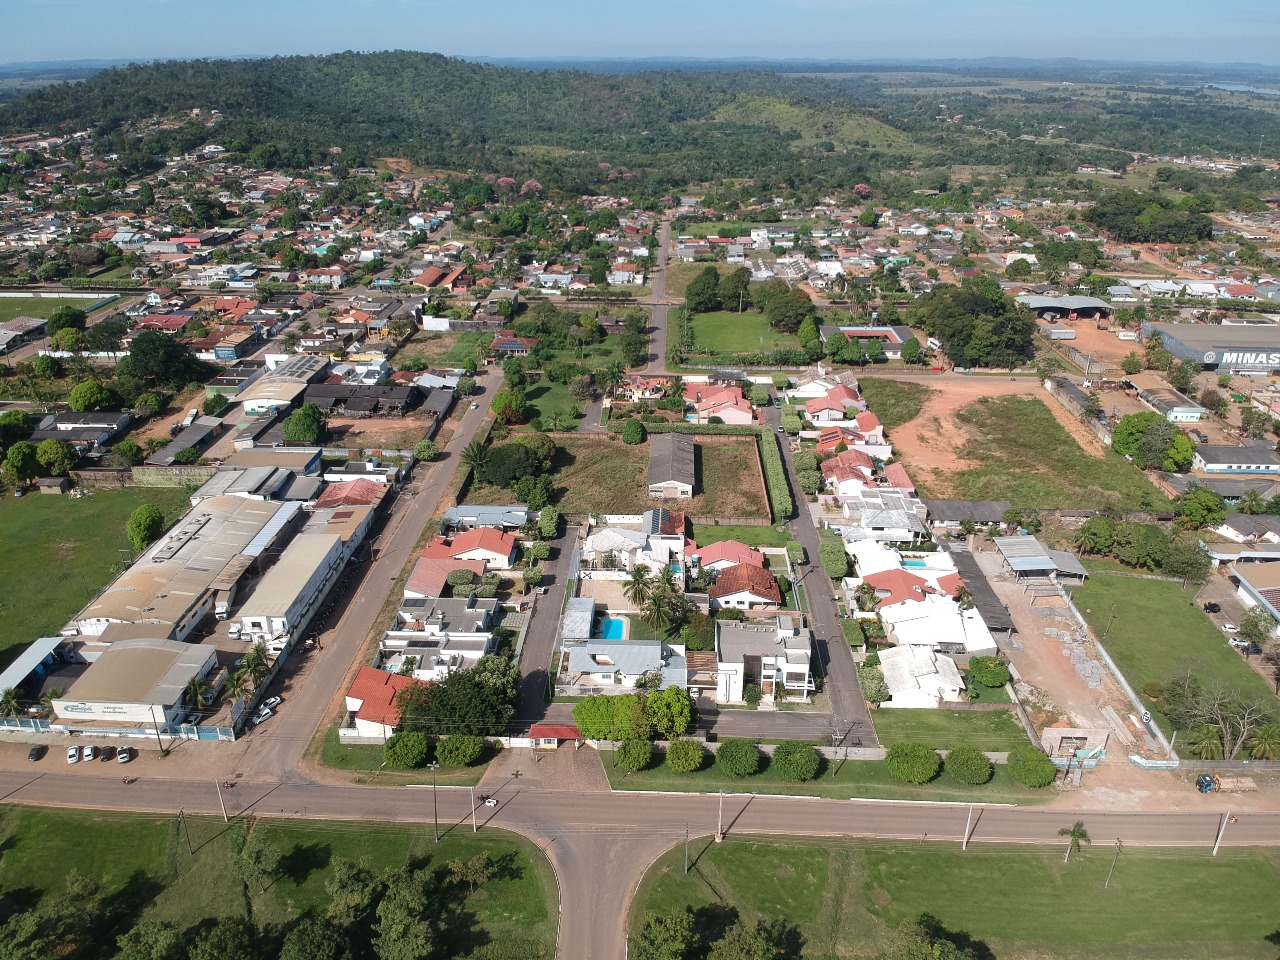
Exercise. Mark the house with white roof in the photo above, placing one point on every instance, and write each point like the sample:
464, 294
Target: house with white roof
938, 623
918, 677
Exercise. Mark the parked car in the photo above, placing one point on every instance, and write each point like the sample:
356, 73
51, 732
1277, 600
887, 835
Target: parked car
107, 754
262, 716
124, 754
1250, 649
1212, 608
73, 754
88, 753
475, 406
1230, 628
272, 702
233, 631
1237, 642
35, 753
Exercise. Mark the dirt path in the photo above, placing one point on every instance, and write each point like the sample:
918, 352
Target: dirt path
933, 444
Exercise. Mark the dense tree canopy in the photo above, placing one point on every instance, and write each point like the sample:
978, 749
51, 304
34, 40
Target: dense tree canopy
977, 324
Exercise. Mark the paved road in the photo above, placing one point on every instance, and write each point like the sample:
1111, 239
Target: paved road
601, 844
842, 676
544, 626
660, 302
275, 749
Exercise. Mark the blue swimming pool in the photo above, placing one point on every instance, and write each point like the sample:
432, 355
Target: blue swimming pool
612, 628
914, 563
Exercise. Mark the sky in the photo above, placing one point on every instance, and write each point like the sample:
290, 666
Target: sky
1148, 30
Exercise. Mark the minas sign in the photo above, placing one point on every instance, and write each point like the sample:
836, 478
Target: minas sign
1242, 358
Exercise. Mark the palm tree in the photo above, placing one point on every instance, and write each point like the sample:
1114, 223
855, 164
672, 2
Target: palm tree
475, 455
9, 705
1205, 742
612, 376
1252, 503
238, 684
640, 587
195, 692
50, 695
1264, 742
1086, 539
1077, 835
658, 615
554, 421
256, 665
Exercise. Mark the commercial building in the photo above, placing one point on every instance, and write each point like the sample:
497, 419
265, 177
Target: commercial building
1259, 586
134, 684
1226, 459
1163, 399
1227, 348
290, 592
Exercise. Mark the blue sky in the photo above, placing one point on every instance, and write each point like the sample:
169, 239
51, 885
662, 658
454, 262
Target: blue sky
1203, 30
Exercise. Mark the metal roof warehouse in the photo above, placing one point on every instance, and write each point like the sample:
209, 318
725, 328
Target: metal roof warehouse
1228, 348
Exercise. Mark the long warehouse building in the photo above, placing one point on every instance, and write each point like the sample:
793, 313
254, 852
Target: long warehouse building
1235, 348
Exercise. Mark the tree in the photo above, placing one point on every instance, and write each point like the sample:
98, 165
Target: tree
665, 938
89, 395
21, 464
1264, 742
474, 455
1076, 836
832, 556
475, 872
871, 680
926, 939
1252, 503
509, 407
703, 293
425, 450
479, 701
146, 523
685, 756
912, 762
66, 318
1257, 626
406, 750
258, 860
403, 930
232, 938
1185, 559
195, 691
57, 456
154, 940
459, 750
352, 890
509, 462
633, 432
738, 757
670, 711
989, 671
1204, 741
548, 523
1198, 507
158, 358
912, 352
795, 761
46, 367
213, 404
14, 426
466, 386
1132, 363
1030, 767
639, 586
968, 765
316, 938
633, 755
305, 425
741, 942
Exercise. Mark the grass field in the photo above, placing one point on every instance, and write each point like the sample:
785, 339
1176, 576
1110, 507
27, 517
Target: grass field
41, 307
365, 761
943, 729
445, 349
679, 274
80, 539
545, 398
894, 401
705, 533
747, 332
1158, 631
144, 861
1027, 458
844, 896
854, 778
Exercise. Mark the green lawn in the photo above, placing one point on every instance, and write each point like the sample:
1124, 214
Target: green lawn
1027, 458
594, 356
680, 274
747, 332
867, 779
545, 398
445, 349
365, 760
80, 539
994, 730
41, 307
844, 897
894, 401
1158, 632
144, 863
766, 536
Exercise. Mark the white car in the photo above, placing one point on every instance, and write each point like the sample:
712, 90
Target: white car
73, 754
271, 703
88, 753
233, 631
1237, 642
264, 714
1230, 628
475, 406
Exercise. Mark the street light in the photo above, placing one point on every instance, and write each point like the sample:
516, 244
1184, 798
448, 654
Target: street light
435, 809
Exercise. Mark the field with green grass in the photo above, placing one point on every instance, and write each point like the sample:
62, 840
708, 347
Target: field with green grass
844, 897
148, 873
1157, 632
746, 332
705, 534
894, 401
545, 398
680, 274
987, 730
364, 761
853, 778
40, 307
444, 349
81, 539
1027, 458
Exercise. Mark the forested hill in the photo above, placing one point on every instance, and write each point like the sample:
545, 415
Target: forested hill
666, 128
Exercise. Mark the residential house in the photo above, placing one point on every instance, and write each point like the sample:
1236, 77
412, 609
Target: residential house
506, 344
471, 516
950, 515
496, 548
920, 678
727, 553
726, 403
847, 473
938, 623
622, 663
373, 702
639, 387
671, 466
774, 656
658, 544
435, 637
745, 586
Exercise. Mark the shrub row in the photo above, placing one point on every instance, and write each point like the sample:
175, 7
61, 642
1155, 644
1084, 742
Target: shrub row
775, 477
918, 763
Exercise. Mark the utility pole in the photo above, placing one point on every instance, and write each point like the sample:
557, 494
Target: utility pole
182, 822
435, 809
720, 820
967, 832
221, 802
686, 848
1119, 847
1226, 818
474, 828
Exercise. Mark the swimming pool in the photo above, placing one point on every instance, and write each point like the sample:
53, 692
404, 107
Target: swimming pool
914, 563
612, 628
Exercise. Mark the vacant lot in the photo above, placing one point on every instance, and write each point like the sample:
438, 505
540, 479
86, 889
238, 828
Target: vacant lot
145, 863
41, 307
705, 534
444, 349
1154, 630
1014, 449
545, 398
679, 274
59, 552
607, 476
747, 332
994, 730
378, 433
844, 897
895, 402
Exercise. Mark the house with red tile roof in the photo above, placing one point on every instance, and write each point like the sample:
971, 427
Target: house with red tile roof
848, 472
728, 553
895, 475
430, 577
727, 403
820, 409
897, 586
495, 548
870, 427
745, 587
371, 702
